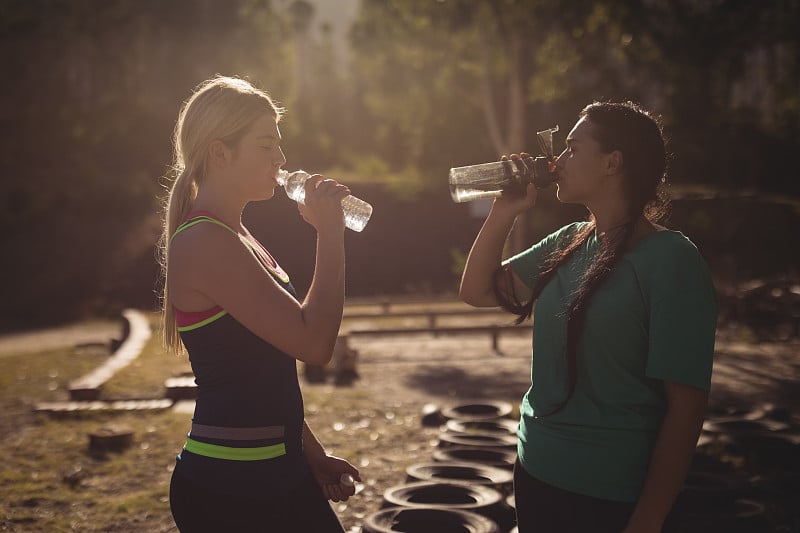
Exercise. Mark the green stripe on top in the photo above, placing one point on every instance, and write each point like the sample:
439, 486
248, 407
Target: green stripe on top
202, 323
197, 220
235, 454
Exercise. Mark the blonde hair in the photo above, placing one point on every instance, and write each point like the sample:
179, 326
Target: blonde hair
220, 108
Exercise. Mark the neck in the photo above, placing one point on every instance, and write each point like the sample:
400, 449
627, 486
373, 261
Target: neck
225, 207
642, 227
609, 217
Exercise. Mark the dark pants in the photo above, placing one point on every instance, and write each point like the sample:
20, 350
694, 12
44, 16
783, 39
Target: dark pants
542, 508
199, 510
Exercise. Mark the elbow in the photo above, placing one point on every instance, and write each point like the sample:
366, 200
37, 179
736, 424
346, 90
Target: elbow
477, 299
467, 298
317, 357
467, 294
318, 354
463, 295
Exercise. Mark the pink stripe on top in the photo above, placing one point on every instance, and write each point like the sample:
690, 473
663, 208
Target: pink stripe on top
189, 318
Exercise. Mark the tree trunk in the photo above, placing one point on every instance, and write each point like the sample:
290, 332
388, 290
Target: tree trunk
514, 138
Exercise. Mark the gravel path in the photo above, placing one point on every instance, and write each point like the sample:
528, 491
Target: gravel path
59, 337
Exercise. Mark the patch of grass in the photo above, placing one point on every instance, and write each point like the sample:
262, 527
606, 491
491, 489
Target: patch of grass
44, 376
50, 480
31, 378
144, 377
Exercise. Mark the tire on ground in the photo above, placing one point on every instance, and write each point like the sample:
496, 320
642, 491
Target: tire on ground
427, 520
497, 457
478, 410
473, 473
479, 499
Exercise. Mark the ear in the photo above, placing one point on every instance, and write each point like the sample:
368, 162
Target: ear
614, 162
218, 153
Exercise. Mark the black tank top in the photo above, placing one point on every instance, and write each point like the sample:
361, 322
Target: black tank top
246, 435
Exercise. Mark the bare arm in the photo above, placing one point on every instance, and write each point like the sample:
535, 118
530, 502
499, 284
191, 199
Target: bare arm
487, 251
322, 307
212, 266
672, 455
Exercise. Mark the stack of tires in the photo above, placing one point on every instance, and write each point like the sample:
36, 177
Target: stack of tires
467, 487
743, 459
745, 463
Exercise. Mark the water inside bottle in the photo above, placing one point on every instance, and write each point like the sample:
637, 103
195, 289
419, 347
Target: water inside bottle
462, 194
356, 213
487, 180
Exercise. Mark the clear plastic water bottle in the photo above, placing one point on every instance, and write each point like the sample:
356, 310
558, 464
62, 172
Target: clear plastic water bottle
490, 180
356, 211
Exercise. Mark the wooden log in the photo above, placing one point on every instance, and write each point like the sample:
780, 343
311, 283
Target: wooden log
110, 438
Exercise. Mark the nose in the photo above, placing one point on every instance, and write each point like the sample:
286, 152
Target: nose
558, 162
282, 159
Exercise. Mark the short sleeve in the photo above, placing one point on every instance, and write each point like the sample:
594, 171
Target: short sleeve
527, 264
683, 319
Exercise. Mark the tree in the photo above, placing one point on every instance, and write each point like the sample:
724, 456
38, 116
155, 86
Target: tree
97, 87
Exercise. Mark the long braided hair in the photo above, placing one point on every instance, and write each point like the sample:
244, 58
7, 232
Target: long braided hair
630, 129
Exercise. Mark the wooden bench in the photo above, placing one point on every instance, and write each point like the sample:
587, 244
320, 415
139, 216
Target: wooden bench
493, 330
431, 315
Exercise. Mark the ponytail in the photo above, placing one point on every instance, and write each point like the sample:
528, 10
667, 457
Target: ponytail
179, 203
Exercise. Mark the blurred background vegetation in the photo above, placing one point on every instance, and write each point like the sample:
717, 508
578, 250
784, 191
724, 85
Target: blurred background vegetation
386, 95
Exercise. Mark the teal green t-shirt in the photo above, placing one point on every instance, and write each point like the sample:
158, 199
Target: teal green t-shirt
653, 320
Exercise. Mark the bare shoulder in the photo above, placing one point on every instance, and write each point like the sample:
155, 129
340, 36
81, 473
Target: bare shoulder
201, 258
202, 241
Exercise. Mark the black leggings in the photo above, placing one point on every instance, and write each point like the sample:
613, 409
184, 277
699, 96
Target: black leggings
199, 510
543, 508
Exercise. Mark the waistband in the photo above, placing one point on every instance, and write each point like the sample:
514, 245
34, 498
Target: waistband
234, 454
236, 433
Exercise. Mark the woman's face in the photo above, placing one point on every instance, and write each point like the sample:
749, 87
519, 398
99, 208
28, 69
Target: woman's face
257, 158
582, 167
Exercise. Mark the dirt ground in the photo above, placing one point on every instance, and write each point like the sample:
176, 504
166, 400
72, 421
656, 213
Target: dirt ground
64, 336
378, 424
412, 371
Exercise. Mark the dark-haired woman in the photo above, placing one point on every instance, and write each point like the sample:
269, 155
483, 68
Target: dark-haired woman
625, 317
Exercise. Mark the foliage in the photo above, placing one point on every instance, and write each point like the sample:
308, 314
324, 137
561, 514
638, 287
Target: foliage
93, 89
702, 65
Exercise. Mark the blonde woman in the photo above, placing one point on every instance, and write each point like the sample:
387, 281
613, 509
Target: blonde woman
250, 462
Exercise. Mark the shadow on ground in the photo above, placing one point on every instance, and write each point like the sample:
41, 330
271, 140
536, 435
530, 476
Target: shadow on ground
476, 383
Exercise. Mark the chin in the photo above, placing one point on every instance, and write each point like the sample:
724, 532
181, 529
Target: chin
268, 195
270, 192
560, 194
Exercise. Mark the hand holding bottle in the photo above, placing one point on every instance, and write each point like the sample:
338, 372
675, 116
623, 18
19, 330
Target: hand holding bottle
515, 203
500, 178
356, 212
322, 203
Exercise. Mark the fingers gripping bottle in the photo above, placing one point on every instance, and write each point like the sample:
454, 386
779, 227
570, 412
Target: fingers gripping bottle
356, 211
490, 180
